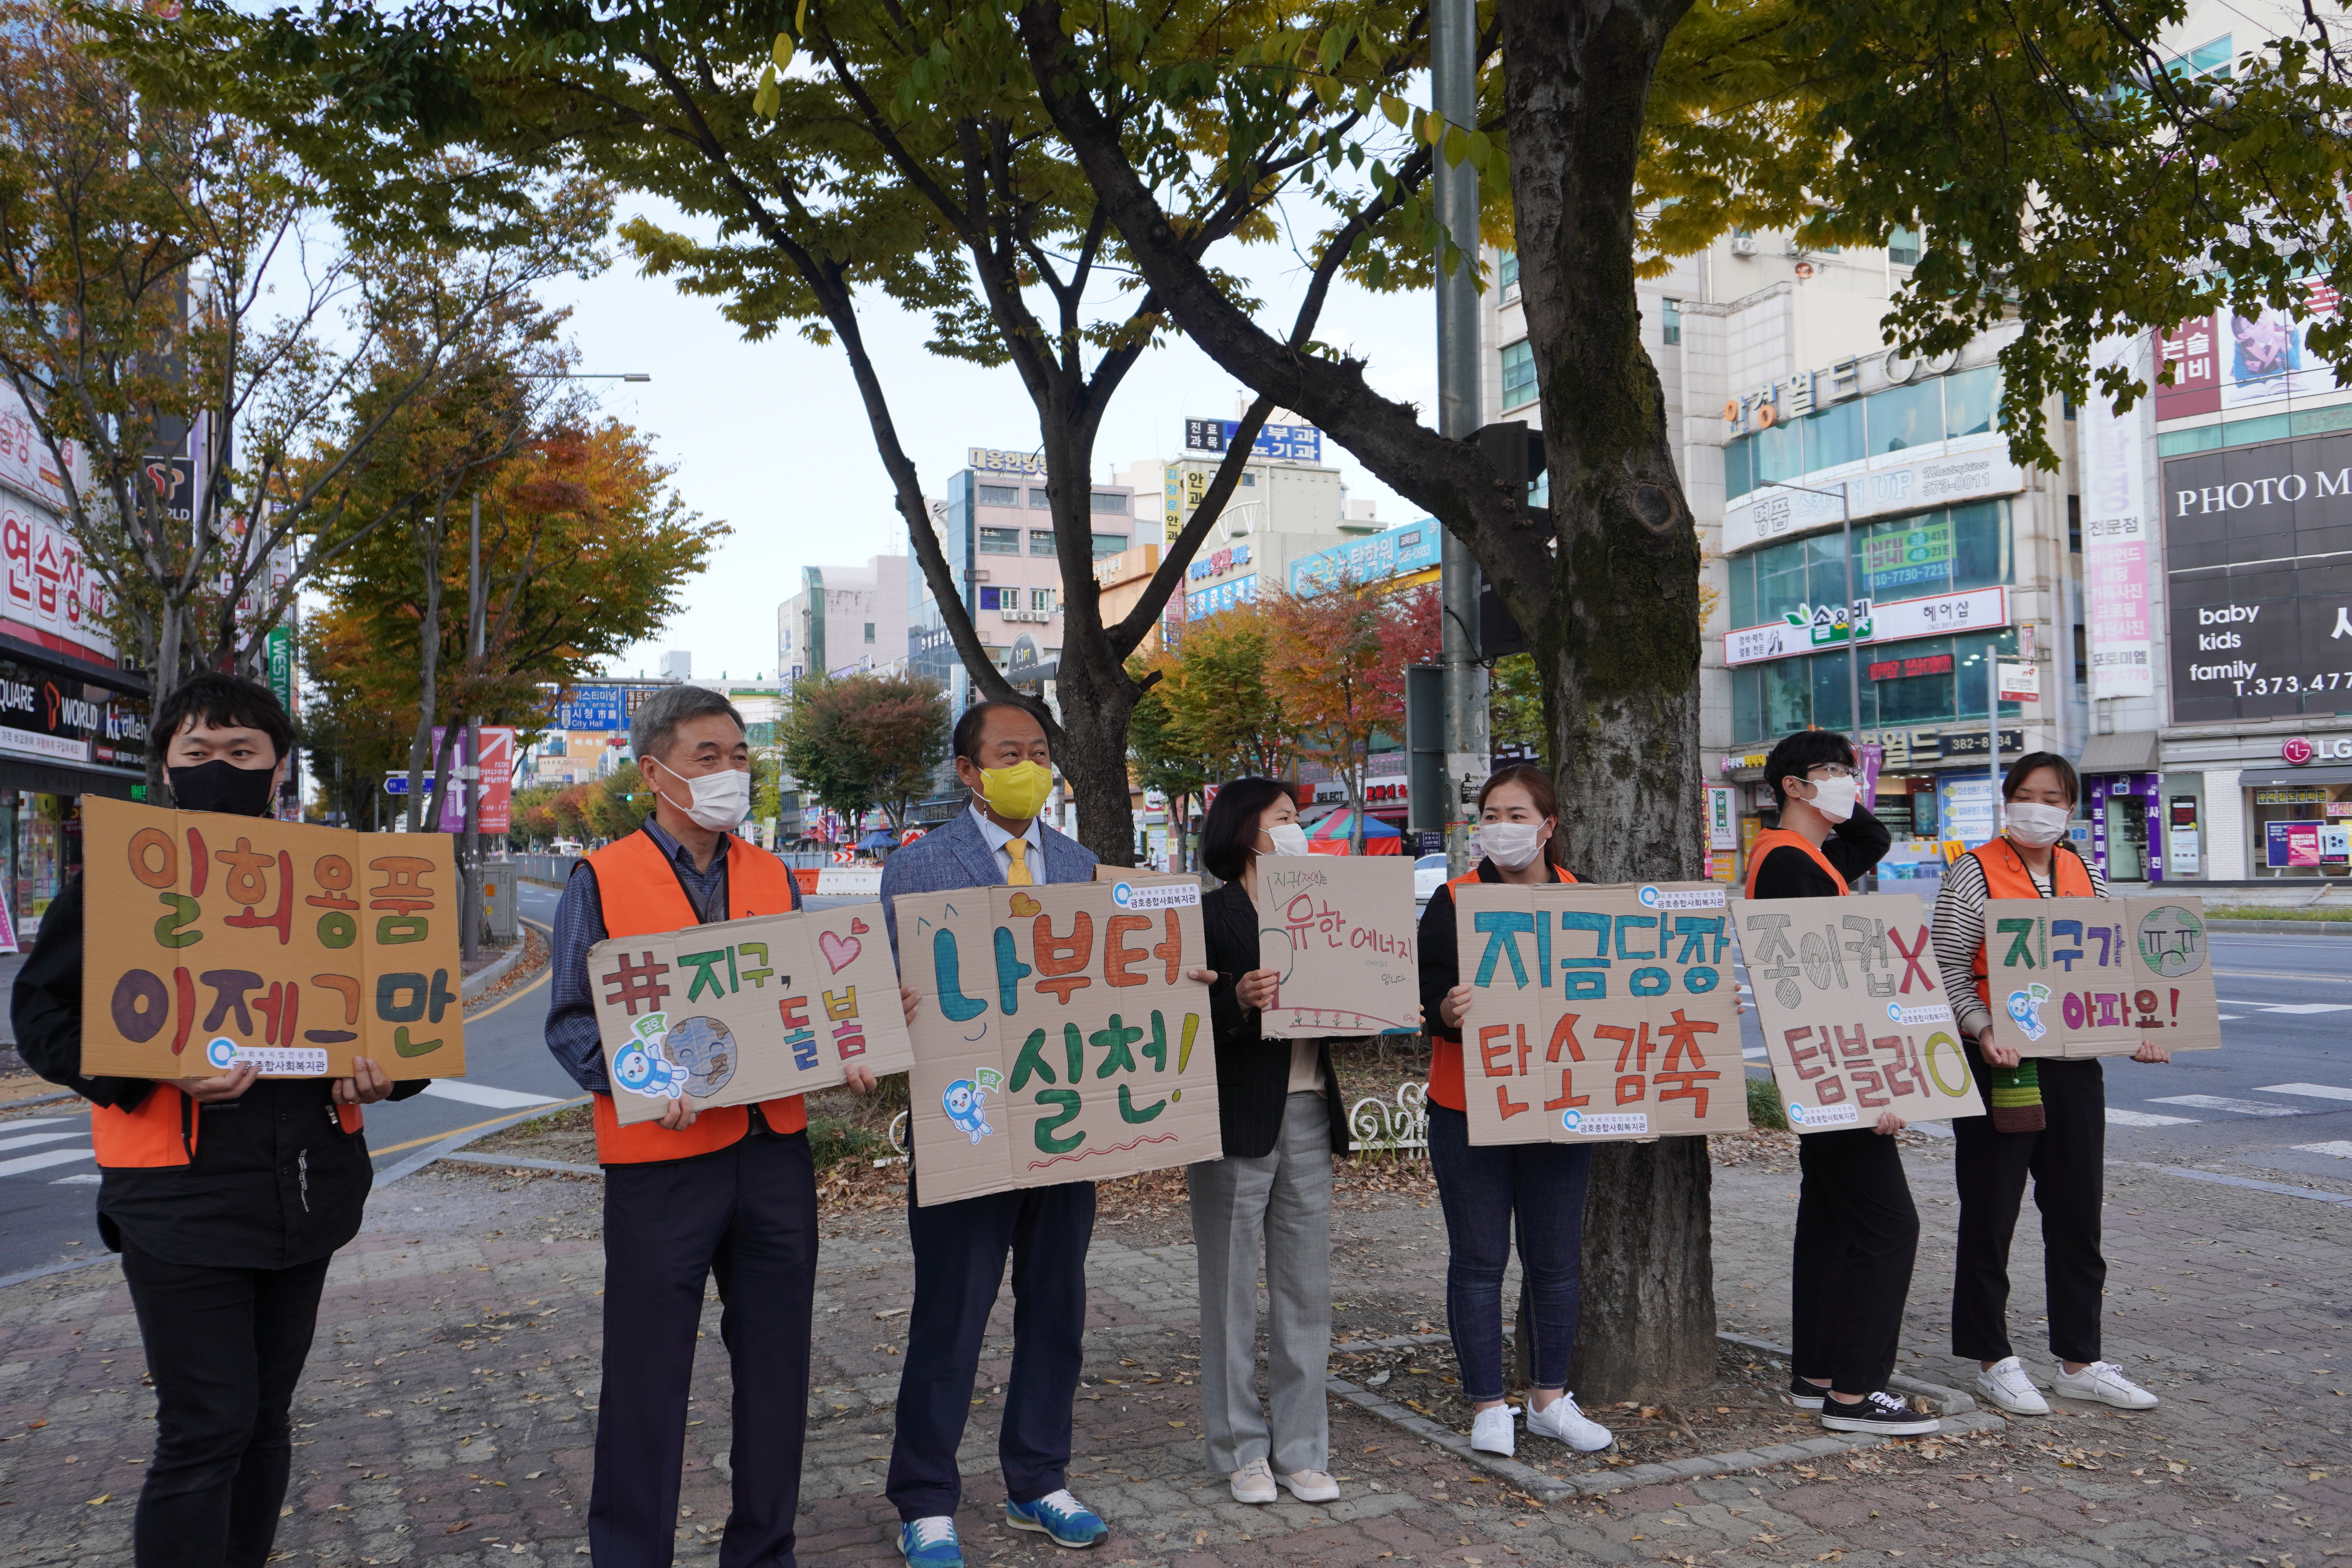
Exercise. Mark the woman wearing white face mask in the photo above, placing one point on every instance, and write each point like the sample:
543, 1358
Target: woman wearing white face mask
1483, 1189
1265, 1210
2048, 1118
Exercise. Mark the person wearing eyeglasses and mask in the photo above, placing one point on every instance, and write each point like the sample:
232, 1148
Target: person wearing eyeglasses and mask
227, 1195
1484, 1188
1857, 1228
1263, 1211
728, 1193
1004, 758
2047, 1118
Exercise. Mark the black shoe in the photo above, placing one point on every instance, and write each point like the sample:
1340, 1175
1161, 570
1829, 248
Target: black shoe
1805, 1395
1882, 1413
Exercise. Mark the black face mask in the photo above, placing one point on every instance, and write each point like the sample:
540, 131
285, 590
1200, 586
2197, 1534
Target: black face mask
224, 787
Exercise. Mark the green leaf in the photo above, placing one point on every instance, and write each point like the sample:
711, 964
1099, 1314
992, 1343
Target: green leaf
781, 53
1396, 109
1457, 145
799, 24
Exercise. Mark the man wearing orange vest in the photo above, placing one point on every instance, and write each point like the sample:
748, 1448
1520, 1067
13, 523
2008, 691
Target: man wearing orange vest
226, 1197
1857, 1228
729, 1193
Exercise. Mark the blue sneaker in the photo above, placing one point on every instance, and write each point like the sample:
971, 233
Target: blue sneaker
930, 1542
1062, 1518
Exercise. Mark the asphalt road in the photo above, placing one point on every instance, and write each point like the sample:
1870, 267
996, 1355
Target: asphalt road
2277, 1100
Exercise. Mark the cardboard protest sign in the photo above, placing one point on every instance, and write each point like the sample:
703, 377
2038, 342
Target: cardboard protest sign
743, 1011
2093, 977
1060, 1038
1597, 1013
1855, 1019
218, 940
1339, 930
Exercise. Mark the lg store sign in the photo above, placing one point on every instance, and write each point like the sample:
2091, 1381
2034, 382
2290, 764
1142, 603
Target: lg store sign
2328, 748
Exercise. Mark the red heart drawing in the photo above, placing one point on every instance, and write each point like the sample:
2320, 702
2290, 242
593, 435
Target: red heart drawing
840, 951
858, 927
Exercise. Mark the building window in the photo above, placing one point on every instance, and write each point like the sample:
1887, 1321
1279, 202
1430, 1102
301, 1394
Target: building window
1041, 542
1000, 495
1736, 479
1971, 400
1108, 544
1249, 478
2073, 525
869, 631
1519, 373
1906, 416
1903, 247
1673, 328
1039, 500
993, 598
1000, 541
1932, 680
1041, 599
1506, 274
1106, 503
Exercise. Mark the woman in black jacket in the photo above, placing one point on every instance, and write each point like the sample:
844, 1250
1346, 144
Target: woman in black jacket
1270, 1196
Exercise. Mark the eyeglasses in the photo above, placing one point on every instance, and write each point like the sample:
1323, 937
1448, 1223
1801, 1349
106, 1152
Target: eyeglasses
1832, 771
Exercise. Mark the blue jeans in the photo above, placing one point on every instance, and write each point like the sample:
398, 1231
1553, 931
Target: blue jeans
1482, 1188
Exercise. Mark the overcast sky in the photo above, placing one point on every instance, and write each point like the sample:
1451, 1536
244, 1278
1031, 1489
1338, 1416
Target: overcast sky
771, 437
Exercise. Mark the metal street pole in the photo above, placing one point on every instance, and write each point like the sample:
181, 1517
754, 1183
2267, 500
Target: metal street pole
1852, 622
470, 932
1992, 731
1454, 82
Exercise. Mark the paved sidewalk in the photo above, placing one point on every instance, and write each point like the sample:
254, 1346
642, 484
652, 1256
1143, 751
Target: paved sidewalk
448, 1412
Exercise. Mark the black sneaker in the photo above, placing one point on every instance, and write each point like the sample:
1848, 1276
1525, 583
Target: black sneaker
1805, 1395
1882, 1413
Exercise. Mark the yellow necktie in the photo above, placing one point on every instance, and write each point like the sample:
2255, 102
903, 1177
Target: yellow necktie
1018, 876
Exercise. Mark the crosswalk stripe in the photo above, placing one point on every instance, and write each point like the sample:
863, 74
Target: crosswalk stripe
2297, 1007
483, 1094
36, 1122
40, 1138
43, 1161
2219, 1103
2340, 1148
2143, 1118
2315, 1090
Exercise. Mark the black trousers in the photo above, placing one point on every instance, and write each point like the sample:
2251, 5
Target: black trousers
1857, 1236
960, 1252
2067, 1159
746, 1216
225, 1347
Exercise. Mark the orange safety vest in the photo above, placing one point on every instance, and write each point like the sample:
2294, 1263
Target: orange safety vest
2006, 878
1445, 1050
160, 1130
1772, 839
641, 896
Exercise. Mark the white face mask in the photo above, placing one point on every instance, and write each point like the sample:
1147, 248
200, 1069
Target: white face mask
721, 799
2034, 824
1513, 845
1287, 837
1835, 798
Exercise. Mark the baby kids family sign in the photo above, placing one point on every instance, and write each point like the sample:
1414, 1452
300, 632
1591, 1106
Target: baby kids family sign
1060, 1038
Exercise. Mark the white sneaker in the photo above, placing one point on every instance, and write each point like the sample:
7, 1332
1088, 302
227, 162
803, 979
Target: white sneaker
1563, 1421
1253, 1482
1495, 1431
2006, 1384
2104, 1381
1312, 1486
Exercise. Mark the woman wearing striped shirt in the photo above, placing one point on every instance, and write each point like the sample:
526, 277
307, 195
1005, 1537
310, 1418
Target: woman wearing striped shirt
2048, 1118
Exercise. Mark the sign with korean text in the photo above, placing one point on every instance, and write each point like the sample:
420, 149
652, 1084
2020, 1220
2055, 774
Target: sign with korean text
1339, 930
497, 781
1597, 1013
2093, 977
1060, 1038
1809, 627
2118, 529
46, 585
234, 939
1855, 1015
1284, 442
594, 707
741, 1011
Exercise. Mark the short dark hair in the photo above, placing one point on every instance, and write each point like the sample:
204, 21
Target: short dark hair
1229, 833
2022, 769
655, 724
224, 701
1798, 754
975, 720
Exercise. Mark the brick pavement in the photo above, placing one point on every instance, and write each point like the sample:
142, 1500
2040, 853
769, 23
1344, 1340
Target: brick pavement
447, 1415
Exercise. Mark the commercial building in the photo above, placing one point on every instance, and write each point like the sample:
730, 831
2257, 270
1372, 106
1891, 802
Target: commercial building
844, 619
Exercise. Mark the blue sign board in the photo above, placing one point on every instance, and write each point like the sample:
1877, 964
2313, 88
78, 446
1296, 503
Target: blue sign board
397, 784
593, 708
1222, 597
1286, 443
1396, 553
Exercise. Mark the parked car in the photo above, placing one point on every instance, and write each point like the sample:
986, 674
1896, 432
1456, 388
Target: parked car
1428, 876
567, 846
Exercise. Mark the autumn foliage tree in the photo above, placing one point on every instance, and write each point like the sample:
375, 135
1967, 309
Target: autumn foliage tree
865, 739
1339, 676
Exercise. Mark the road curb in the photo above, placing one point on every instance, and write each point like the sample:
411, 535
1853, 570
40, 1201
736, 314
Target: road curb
490, 973
523, 1164
2282, 927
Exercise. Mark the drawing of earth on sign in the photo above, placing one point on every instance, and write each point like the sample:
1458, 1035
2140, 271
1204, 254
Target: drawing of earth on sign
705, 1049
2172, 941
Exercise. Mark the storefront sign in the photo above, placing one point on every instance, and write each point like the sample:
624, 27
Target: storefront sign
24, 458
2019, 682
988, 460
2286, 845
61, 721
2300, 749
1722, 818
1807, 628
1771, 511
1397, 552
1282, 443
45, 584
2116, 544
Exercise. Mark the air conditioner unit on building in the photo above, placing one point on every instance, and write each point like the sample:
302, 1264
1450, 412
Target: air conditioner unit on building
1743, 244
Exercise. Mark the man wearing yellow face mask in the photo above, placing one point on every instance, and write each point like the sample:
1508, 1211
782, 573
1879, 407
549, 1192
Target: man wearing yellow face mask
1002, 757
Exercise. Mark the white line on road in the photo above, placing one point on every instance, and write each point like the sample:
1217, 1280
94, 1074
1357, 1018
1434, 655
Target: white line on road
483, 1094
2302, 1007
84, 1180
43, 1161
36, 1121
2143, 1118
40, 1138
2339, 1147
2218, 1102
2315, 1090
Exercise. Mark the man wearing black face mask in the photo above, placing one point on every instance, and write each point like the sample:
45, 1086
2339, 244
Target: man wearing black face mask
226, 1197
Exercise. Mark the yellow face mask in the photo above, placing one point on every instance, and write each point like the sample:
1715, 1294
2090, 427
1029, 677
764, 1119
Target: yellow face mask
1017, 793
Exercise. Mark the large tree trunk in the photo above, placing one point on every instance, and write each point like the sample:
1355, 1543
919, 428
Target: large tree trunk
1620, 633
1096, 706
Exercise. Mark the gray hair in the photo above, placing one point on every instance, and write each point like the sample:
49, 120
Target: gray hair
656, 725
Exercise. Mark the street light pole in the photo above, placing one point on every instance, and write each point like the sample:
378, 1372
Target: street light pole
1852, 622
1453, 85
